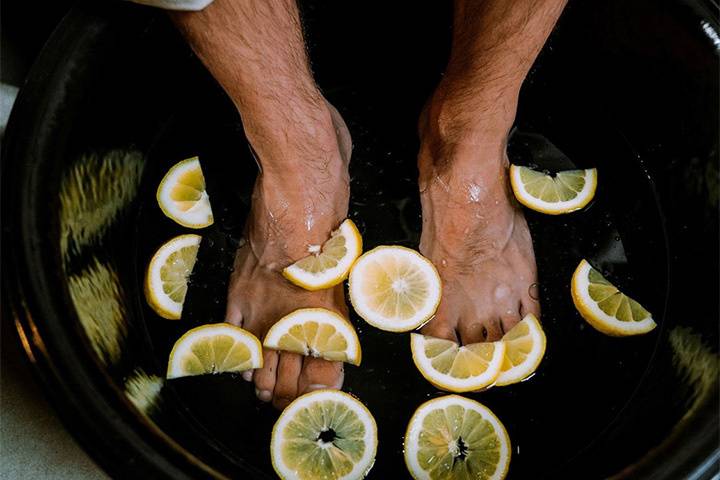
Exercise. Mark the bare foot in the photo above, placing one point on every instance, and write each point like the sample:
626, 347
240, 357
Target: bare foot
293, 207
473, 230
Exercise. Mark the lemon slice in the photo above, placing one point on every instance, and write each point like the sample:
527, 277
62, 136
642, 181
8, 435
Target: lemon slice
325, 434
605, 307
563, 192
456, 368
167, 275
327, 266
214, 348
182, 197
524, 349
394, 288
315, 332
456, 438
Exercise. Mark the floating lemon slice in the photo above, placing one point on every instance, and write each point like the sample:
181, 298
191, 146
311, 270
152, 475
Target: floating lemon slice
452, 437
605, 307
394, 288
182, 196
524, 349
325, 434
315, 332
563, 192
328, 265
215, 348
167, 275
456, 368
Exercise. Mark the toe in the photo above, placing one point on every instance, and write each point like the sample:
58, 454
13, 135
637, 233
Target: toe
265, 376
286, 384
529, 305
443, 324
471, 331
509, 320
318, 373
233, 314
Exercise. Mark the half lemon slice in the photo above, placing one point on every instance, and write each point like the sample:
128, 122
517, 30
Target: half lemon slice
167, 275
455, 368
182, 197
452, 437
394, 288
325, 434
328, 265
605, 307
214, 348
315, 332
563, 192
524, 349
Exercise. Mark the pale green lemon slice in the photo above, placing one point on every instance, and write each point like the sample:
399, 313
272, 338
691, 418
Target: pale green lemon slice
563, 192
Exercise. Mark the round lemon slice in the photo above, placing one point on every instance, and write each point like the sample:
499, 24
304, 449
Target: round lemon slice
182, 197
455, 368
214, 348
605, 307
524, 349
394, 288
563, 192
452, 437
315, 332
167, 275
325, 434
328, 265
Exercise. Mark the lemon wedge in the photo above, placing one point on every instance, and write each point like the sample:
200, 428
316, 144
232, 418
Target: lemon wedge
167, 275
455, 368
605, 307
563, 192
524, 349
214, 348
315, 332
182, 197
394, 288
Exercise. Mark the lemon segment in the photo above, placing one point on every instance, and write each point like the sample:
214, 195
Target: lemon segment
330, 264
605, 307
316, 332
324, 434
214, 348
524, 350
167, 275
394, 288
449, 366
456, 438
564, 192
182, 197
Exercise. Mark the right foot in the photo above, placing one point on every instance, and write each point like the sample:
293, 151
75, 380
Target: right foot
300, 196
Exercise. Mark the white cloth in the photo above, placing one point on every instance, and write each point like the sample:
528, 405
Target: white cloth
188, 5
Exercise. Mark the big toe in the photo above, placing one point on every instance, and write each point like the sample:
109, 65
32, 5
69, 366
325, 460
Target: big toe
317, 374
442, 325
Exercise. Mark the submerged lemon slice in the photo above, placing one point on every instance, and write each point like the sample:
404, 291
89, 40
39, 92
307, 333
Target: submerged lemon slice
456, 438
394, 288
456, 368
214, 348
167, 275
563, 192
329, 265
605, 307
325, 434
315, 332
525, 347
182, 197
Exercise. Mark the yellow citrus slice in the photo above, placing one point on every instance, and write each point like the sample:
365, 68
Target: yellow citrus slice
563, 192
315, 332
167, 275
182, 197
605, 307
325, 434
328, 265
456, 438
455, 368
524, 349
394, 288
214, 348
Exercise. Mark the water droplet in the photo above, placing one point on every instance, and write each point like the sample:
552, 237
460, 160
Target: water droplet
534, 291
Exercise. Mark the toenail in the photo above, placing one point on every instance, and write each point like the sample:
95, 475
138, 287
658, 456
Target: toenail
316, 386
247, 375
263, 395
